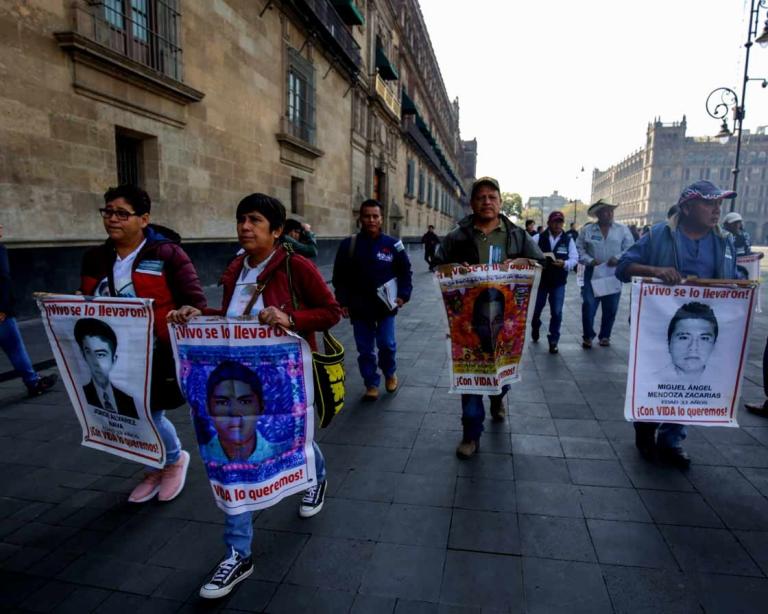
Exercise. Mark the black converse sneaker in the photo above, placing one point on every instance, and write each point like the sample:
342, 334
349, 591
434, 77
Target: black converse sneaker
312, 501
232, 569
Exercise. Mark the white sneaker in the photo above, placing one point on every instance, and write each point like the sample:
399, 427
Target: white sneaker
313, 499
232, 569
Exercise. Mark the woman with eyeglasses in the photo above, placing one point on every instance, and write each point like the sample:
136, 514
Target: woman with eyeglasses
140, 259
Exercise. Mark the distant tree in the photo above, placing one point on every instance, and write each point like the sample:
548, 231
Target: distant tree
511, 204
581, 213
531, 213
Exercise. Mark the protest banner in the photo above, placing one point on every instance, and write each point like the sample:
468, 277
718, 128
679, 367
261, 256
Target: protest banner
580, 270
487, 307
751, 265
103, 349
250, 390
688, 345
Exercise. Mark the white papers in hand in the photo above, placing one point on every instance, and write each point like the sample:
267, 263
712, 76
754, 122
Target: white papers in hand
604, 280
388, 293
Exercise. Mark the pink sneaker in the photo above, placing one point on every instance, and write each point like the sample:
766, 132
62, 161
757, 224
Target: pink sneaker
173, 479
147, 488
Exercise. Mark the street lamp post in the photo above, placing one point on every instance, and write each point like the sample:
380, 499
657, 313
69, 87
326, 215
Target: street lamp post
722, 99
578, 177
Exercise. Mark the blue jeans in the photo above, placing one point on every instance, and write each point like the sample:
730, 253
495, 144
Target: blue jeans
382, 334
473, 413
168, 435
238, 528
589, 306
556, 298
13, 346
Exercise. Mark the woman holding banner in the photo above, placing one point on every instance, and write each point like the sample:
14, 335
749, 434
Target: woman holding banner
143, 260
260, 282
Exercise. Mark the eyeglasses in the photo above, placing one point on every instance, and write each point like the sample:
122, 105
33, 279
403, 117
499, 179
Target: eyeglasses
120, 214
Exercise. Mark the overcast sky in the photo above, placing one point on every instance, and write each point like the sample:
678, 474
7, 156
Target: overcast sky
549, 86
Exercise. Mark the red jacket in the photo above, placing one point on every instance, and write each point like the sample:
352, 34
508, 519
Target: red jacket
317, 307
161, 271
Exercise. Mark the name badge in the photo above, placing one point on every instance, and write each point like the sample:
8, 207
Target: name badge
384, 256
150, 267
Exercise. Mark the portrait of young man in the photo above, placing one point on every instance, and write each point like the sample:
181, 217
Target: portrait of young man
98, 344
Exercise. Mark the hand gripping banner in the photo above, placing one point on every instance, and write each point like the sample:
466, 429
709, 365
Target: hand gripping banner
688, 344
103, 349
250, 390
487, 307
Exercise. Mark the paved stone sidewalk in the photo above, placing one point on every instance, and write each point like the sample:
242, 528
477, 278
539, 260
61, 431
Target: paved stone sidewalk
556, 514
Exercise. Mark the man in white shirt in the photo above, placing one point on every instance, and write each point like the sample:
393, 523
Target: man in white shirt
600, 246
562, 255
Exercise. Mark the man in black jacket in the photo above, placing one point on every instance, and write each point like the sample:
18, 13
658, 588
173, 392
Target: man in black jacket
430, 241
483, 237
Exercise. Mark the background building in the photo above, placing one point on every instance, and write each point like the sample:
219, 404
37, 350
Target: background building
547, 204
649, 181
322, 103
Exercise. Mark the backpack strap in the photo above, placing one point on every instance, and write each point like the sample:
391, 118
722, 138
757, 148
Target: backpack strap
257, 290
294, 299
352, 244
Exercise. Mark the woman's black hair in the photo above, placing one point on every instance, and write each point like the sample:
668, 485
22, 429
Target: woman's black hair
269, 207
133, 195
291, 225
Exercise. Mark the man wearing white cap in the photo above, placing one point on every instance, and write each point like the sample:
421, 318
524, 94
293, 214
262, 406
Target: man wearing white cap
734, 224
600, 244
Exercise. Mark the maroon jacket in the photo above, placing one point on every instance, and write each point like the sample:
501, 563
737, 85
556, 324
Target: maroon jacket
162, 271
317, 307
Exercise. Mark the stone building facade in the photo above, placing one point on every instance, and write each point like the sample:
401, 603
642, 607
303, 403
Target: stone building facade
205, 102
547, 204
649, 181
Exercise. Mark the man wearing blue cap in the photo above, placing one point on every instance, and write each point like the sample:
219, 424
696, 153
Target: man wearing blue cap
689, 244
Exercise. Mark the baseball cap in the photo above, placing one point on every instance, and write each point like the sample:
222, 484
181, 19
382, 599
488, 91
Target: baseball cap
704, 190
484, 181
732, 217
556, 215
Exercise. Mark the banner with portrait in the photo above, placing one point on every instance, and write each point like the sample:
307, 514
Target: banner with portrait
688, 345
750, 264
487, 307
251, 394
103, 349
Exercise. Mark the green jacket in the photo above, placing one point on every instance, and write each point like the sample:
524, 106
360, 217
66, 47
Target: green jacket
459, 244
